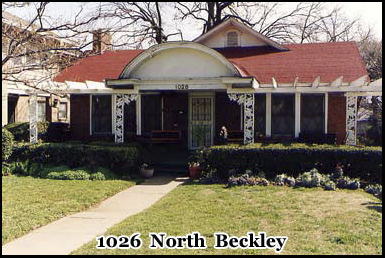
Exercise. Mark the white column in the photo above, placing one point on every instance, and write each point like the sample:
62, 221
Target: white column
351, 120
139, 115
33, 133
248, 115
247, 99
297, 128
120, 100
119, 118
268, 114
326, 111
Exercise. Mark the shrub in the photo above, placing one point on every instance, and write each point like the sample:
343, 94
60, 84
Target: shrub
311, 179
120, 160
283, 179
329, 185
273, 159
6, 144
20, 130
69, 175
57, 132
348, 183
19, 168
97, 176
5, 169
245, 179
376, 190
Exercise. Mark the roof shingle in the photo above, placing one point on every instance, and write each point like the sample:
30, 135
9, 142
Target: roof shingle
307, 61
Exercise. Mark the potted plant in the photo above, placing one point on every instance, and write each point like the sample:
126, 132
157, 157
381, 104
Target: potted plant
147, 170
194, 170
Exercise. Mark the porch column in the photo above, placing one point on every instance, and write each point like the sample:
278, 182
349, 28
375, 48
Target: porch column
247, 99
33, 118
351, 120
120, 100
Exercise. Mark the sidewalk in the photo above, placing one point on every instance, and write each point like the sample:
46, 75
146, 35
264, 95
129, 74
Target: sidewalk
67, 234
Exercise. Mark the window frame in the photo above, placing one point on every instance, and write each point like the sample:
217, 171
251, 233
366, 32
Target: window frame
238, 38
92, 128
60, 111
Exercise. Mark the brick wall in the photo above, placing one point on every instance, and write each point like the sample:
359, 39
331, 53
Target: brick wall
80, 116
337, 116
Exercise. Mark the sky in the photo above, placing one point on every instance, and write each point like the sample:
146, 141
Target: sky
370, 13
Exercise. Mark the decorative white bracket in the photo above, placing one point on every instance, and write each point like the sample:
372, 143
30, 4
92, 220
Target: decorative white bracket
33, 118
120, 100
248, 115
351, 120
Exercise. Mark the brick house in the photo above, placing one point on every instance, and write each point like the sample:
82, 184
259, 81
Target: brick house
231, 76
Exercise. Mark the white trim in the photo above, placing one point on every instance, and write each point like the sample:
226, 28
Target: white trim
326, 103
241, 111
363, 94
90, 114
162, 112
154, 50
297, 127
139, 115
268, 114
113, 112
360, 81
337, 82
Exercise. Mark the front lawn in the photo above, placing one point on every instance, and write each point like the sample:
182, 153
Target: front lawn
316, 221
28, 203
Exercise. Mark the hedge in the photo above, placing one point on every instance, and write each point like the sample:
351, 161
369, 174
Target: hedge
293, 159
48, 131
120, 160
6, 144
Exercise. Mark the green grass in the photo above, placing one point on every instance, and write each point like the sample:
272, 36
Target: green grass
29, 203
316, 221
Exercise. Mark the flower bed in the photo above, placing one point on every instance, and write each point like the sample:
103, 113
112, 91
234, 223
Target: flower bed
274, 159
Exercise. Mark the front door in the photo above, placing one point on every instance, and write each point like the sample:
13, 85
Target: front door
201, 124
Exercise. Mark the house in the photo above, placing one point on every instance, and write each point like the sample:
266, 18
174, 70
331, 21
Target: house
20, 72
231, 76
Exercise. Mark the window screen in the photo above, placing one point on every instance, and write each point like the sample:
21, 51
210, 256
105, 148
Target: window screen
41, 114
312, 113
260, 114
62, 113
282, 114
101, 114
151, 113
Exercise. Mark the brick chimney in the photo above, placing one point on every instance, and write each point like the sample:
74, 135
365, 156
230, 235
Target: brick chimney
101, 41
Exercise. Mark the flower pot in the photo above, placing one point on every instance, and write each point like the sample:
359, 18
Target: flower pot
147, 173
195, 172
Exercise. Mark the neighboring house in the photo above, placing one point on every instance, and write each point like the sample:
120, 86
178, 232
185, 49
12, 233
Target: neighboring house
15, 96
231, 76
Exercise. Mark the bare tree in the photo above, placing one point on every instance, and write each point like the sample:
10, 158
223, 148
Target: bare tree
139, 22
35, 50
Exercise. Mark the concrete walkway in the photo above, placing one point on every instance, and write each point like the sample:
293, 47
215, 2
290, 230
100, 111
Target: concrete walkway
67, 234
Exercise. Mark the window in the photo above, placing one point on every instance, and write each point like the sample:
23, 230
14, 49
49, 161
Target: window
101, 114
260, 114
62, 112
232, 39
41, 117
282, 114
312, 113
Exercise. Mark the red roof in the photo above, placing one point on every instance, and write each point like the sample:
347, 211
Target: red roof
307, 61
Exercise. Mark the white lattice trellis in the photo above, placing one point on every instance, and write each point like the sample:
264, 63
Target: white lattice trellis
120, 100
33, 118
248, 115
351, 120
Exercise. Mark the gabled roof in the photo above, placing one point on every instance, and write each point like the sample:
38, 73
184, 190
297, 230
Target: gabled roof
242, 27
305, 61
